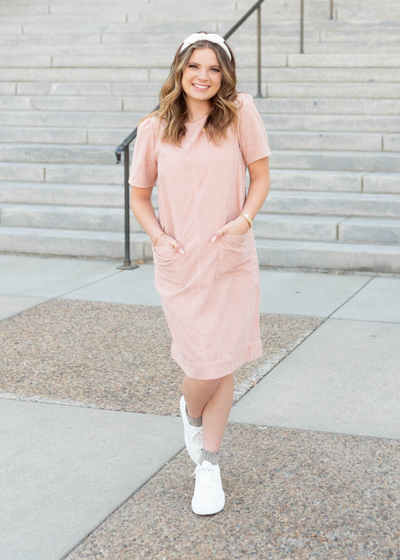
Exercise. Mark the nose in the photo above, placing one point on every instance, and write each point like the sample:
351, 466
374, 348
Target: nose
202, 75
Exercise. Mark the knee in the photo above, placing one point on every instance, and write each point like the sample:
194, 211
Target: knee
209, 383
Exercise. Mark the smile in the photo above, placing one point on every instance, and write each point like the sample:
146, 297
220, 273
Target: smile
200, 88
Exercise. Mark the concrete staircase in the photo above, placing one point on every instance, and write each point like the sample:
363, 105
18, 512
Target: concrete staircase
76, 78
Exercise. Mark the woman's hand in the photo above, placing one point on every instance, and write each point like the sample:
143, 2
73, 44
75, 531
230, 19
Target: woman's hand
166, 241
238, 226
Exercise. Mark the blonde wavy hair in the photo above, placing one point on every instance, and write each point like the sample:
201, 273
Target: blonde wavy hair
172, 97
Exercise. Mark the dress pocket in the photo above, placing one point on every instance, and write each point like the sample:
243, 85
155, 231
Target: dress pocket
167, 268
235, 255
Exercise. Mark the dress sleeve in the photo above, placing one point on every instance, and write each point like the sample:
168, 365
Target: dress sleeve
253, 139
144, 170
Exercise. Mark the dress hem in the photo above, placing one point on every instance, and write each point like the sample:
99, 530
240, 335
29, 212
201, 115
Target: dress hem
221, 368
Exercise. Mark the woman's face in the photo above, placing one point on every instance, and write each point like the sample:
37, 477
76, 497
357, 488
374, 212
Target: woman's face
203, 69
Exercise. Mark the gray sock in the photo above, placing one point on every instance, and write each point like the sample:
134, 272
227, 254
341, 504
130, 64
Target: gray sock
194, 421
211, 456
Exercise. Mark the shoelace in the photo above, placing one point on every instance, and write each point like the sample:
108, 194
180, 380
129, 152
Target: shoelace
207, 479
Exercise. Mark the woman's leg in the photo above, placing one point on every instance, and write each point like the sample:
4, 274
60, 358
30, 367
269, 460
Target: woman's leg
212, 399
216, 413
197, 393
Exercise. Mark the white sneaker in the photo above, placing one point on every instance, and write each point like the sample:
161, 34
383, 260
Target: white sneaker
193, 435
208, 496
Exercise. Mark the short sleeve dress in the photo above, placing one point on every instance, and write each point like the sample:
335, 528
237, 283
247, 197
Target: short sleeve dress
211, 294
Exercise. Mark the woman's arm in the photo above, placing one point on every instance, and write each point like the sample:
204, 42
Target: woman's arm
259, 186
143, 211
256, 196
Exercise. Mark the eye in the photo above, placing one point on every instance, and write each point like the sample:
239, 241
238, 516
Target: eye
195, 66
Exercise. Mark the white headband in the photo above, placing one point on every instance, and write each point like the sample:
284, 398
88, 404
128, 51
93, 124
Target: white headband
213, 37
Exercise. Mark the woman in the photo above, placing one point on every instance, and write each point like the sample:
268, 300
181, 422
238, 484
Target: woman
197, 144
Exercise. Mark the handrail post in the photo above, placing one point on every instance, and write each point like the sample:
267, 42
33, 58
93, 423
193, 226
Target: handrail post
259, 94
331, 9
301, 26
127, 263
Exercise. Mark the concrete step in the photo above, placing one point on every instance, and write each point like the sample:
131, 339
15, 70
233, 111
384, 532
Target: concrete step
391, 143
327, 228
272, 45
354, 230
336, 141
63, 194
80, 75
72, 103
47, 153
283, 215
13, 174
309, 180
359, 35
271, 252
144, 60
381, 183
320, 24
99, 244
119, 120
344, 61
87, 89
118, 5
353, 40
327, 123
324, 106
279, 33
62, 24
280, 200
328, 256
281, 159
318, 228
339, 161
63, 173
70, 39
47, 135
53, 22
365, 14
66, 217
244, 74
366, 230
152, 89
277, 139
102, 195
341, 90
163, 59
149, 13
333, 204
8, 88
48, 20
319, 75
38, 25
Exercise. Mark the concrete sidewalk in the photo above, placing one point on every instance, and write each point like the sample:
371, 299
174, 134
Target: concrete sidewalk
92, 457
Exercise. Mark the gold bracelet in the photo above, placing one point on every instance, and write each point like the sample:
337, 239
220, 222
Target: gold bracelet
158, 237
249, 219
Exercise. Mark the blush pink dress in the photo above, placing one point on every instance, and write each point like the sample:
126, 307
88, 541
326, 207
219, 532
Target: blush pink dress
211, 294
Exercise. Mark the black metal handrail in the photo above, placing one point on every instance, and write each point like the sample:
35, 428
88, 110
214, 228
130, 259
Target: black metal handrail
124, 146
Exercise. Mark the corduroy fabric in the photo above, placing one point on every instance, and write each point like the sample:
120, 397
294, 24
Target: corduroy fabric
210, 295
